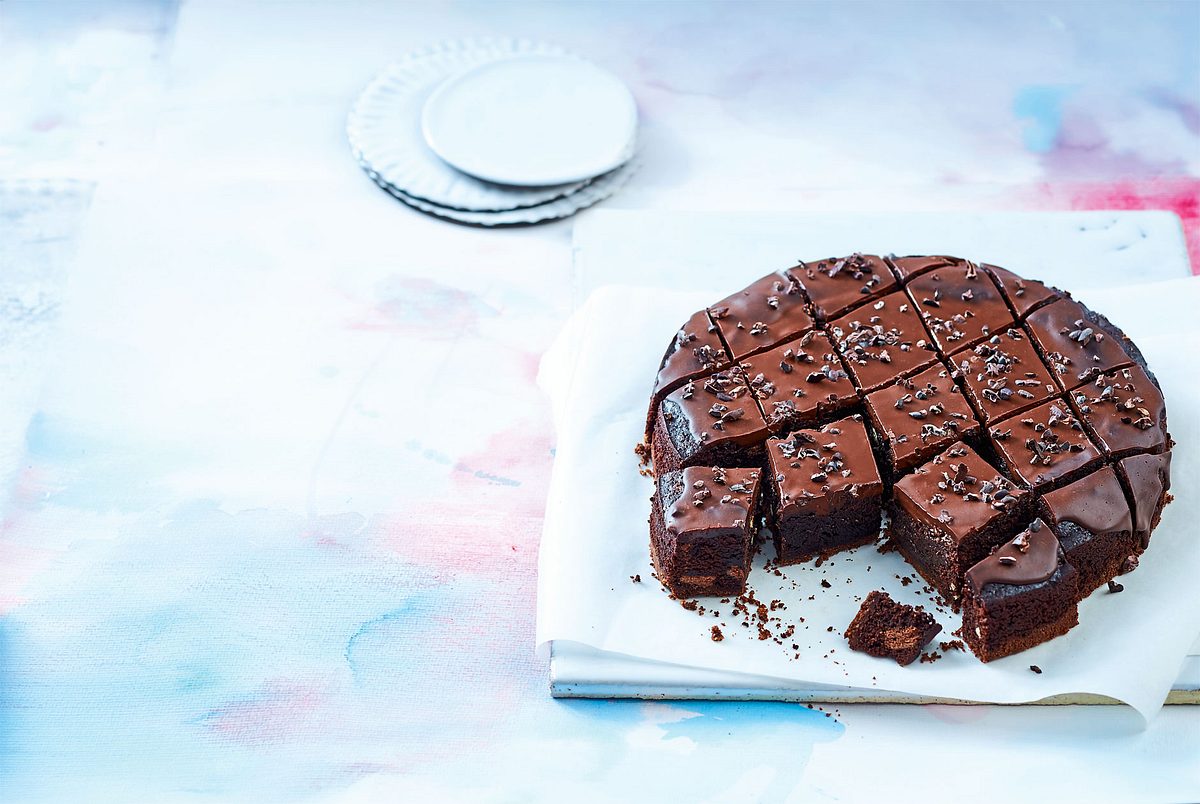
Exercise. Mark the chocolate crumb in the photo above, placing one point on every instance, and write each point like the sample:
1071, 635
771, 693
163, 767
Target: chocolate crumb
1114, 587
1035, 669
635, 578
717, 636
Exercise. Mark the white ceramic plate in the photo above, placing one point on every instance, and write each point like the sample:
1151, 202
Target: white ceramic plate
384, 128
532, 119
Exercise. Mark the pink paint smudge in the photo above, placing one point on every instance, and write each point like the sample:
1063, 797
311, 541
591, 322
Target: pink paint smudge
282, 710
417, 306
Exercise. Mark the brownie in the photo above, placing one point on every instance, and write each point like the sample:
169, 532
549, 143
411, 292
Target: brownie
1077, 343
769, 311
1124, 412
1091, 519
839, 284
1147, 480
711, 421
1022, 595
1045, 447
800, 383
702, 530
890, 630
1023, 295
905, 268
949, 513
1004, 375
882, 340
823, 489
696, 350
959, 304
919, 416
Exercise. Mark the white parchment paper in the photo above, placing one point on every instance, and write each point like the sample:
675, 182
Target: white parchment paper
1128, 646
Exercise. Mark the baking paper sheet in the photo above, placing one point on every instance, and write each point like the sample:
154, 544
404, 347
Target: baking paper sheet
1128, 646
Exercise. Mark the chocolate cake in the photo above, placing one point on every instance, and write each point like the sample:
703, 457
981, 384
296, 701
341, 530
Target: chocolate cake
891, 630
959, 397
1020, 596
823, 490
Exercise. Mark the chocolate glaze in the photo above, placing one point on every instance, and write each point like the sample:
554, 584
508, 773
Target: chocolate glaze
1031, 557
1148, 478
713, 499
958, 492
1074, 343
696, 350
959, 305
1045, 445
881, 340
1124, 411
919, 415
815, 470
769, 311
1096, 502
1004, 374
795, 381
712, 410
906, 268
840, 283
1021, 294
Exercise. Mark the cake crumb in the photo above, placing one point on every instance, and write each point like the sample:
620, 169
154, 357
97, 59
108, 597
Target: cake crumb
930, 657
635, 578
1035, 669
690, 605
717, 636
1114, 587
826, 584
954, 644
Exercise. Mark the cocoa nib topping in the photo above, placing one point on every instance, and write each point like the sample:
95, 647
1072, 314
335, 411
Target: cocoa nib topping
1048, 444
958, 480
856, 268
723, 414
1121, 394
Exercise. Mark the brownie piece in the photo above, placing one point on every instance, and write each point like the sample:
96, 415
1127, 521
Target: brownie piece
1076, 343
1023, 295
823, 490
1091, 519
839, 284
712, 421
696, 350
769, 311
1044, 448
1004, 375
1022, 595
800, 382
960, 305
1124, 412
1147, 479
949, 513
882, 340
702, 530
918, 417
905, 268
891, 630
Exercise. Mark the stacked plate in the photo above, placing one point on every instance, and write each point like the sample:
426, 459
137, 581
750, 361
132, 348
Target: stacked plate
496, 132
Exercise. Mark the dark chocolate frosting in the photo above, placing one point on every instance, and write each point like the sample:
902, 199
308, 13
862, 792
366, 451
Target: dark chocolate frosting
1022, 294
1031, 557
839, 283
908, 267
1096, 502
1005, 374
920, 414
882, 340
958, 492
1124, 410
796, 379
1073, 342
811, 469
1149, 478
713, 409
1044, 444
696, 350
767, 312
960, 305
713, 499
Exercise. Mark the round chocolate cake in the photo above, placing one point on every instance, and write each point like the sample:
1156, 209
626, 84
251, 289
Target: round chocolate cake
1016, 440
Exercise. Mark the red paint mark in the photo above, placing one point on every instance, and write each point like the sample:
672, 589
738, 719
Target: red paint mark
408, 305
280, 711
1180, 195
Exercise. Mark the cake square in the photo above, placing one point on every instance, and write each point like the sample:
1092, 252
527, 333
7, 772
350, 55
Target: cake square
960, 305
1023, 295
711, 421
1003, 375
949, 513
769, 311
823, 490
800, 382
702, 530
1076, 343
905, 268
839, 284
1091, 519
696, 350
882, 340
918, 417
1022, 595
1124, 412
890, 630
1147, 478
1045, 447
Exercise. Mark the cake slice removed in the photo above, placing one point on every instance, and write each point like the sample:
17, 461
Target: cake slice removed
891, 630
1022, 595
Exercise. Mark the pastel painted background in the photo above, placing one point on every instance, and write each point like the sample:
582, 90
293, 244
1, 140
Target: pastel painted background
274, 462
